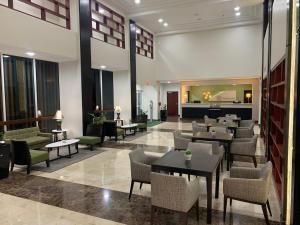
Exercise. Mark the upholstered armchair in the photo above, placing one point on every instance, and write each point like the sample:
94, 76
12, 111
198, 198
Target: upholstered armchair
140, 165
201, 147
249, 185
198, 128
246, 129
244, 147
208, 120
181, 141
175, 194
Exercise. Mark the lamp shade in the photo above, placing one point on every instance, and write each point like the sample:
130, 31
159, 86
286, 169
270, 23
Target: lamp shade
58, 115
248, 95
118, 109
39, 113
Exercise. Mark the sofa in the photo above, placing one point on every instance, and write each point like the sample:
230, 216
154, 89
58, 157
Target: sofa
33, 137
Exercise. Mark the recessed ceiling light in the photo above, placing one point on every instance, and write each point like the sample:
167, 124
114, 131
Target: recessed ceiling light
30, 53
237, 8
166, 24
137, 1
169, 82
101, 11
160, 20
237, 13
103, 67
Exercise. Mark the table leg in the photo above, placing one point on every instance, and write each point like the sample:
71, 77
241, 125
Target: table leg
55, 137
69, 148
217, 181
76, 147
58, 152
209, 198
228, 157
65, 137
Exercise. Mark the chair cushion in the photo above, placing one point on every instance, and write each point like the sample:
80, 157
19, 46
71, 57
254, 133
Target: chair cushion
36, 140
141, 125
89, 140
38, 156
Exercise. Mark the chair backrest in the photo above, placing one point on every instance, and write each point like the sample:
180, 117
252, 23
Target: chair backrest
231, 116
20, 152
206, 148
225, 120
110, 128
138, 156
215, 146
21, 133
218, 129
209, 120
247, 123
197, 128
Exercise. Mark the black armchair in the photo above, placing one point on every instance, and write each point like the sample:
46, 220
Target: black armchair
110, 129
22, 155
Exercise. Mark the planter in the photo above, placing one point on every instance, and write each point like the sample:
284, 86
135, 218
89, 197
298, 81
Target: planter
188, 157
163, 115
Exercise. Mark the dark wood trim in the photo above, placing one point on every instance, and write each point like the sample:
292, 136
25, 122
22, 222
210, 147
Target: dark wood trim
143, 38
132, 38
87, 81
24, 121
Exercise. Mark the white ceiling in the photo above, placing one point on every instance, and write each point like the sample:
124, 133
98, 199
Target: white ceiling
190, 15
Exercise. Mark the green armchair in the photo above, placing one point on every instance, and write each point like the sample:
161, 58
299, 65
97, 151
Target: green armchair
33, 137
22, 155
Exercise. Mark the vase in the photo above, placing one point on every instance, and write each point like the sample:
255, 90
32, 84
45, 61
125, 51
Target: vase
188, 157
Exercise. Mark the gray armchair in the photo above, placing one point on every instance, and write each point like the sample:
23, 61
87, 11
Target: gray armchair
181, 141
244, 147
201, 147
198, 128
249, 185
246, 129
140, 165
175, 194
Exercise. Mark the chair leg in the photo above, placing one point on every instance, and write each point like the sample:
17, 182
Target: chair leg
189, 177
231, 202
269, 208
12, 166
92, 147
264, 208
225, 207
48, 163
197, 209
222, 168
254, 161
141, 185
152, 214
116, 138
28, 168
185, 218
131, 188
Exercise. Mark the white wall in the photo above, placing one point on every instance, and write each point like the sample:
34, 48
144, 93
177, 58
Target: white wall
279, 29
122, 93
21, 33
231, 52
70, 97
150, 93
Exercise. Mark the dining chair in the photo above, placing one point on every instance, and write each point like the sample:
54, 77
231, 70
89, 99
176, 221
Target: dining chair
200, 147
198, 128
218, 129
208, 120
175, 194
140, 165
246, 129
181, 141
249, 185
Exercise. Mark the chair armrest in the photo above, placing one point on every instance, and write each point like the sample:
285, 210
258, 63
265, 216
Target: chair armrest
46, 135
192, 191
252, 190
242, 172
152, 158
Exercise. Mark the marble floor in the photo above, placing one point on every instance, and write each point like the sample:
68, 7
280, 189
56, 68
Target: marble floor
95, 190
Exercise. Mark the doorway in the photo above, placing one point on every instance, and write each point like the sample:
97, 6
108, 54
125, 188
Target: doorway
172, 103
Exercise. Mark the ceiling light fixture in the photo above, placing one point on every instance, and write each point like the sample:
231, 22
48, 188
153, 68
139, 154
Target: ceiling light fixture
137, 1
103, 67
30, 53
169, 82
237, 13
160, 20
237, 8
166, 24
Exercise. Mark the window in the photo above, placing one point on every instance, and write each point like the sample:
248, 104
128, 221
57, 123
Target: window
107, 25
144, 42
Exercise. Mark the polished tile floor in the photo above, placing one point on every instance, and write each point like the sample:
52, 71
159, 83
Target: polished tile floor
94, 191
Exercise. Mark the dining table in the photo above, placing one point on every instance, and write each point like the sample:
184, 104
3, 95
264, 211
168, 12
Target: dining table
232, 126
201, 164
225, 138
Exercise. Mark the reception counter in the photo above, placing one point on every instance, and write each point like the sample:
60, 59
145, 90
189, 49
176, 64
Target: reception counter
198, 110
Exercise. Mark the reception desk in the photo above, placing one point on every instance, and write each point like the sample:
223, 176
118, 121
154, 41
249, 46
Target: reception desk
198, 110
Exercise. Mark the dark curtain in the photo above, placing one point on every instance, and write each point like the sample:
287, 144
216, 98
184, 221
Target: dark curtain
96, 88
19, 90
47, 78
108, 93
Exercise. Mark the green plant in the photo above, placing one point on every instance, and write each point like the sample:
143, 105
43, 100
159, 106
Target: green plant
188, 152
98, 118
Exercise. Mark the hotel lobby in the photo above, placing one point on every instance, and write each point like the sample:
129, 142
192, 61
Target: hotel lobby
147, 112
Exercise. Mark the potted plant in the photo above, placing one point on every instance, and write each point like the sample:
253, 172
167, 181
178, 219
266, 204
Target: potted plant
163, 113
188, 155
95, 128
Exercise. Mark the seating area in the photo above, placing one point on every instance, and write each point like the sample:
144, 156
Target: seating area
149, 112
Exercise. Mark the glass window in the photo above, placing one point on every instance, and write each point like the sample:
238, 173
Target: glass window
19, 90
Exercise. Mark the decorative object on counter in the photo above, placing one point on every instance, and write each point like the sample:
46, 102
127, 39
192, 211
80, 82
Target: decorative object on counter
188, 155
118, 110
58, 117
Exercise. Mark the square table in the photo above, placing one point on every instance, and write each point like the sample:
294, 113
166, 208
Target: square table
201, 164
220, 137
230, 125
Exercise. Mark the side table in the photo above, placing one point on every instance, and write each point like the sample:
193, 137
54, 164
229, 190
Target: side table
4, 160
57, 132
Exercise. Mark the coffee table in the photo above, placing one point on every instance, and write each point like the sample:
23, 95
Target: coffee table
131, 127
220, 137
63, 143
201, 164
